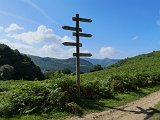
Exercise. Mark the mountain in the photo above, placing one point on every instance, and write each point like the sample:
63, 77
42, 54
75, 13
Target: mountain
14, 65
48, 64
103, 62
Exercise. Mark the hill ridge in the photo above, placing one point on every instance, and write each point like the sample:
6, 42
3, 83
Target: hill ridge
48, 64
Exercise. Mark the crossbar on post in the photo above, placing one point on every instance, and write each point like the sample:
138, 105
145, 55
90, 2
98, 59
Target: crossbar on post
77, 44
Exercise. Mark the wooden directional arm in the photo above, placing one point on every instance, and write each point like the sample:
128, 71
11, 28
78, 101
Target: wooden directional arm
71, 28
81, 19
83, 54
71, 44
82, 34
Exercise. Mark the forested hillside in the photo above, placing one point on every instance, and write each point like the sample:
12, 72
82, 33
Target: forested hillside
52, 64
14, 65
130, 73
48, 64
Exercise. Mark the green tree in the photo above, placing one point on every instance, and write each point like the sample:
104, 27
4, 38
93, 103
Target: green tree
6, 72
66, 71
96, 68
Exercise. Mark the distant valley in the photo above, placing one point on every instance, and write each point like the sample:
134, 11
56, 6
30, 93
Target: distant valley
48, 64
103, 62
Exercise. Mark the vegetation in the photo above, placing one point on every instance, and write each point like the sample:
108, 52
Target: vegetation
129, 74
96, 68
14, 65
6, 72
126, 78
57, 74
66, 71
37, 100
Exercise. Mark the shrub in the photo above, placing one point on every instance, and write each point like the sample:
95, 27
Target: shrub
33, 98
66, 71
95, 89
96, 68
73, 108
6, 72
68, 85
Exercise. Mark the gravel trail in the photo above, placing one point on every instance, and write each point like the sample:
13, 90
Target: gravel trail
141, 109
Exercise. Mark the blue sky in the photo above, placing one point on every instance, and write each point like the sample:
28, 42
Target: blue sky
120, 28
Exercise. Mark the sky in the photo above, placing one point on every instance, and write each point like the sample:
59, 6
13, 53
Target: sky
120, 28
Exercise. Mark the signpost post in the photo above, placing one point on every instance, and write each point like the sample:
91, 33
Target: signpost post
77, 33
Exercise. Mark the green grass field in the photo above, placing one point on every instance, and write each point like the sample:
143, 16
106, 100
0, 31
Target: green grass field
123, 82
87, 106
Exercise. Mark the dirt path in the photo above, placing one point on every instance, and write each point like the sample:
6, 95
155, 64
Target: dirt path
141, 109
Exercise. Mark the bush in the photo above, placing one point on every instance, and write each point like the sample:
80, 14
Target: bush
95, 89
68, 85
6, 72
73, 108
66, 71
96, 68
34, 98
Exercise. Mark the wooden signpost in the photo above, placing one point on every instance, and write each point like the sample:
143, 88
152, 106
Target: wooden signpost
77, 33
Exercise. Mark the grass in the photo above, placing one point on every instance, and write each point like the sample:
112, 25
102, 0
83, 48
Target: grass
117, 100
25, 117
55, 115
89, 106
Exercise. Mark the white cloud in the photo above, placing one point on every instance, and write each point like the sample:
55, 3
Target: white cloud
13, 27
48, 44
41, 34
73, 50
107, 52
15, 45
52, 50
67, 39
5, 41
